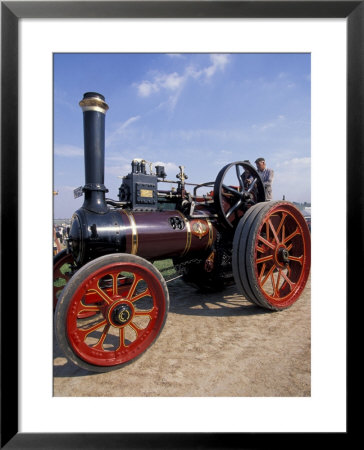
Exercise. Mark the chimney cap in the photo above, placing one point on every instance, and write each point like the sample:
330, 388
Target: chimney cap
92, 101
93, 95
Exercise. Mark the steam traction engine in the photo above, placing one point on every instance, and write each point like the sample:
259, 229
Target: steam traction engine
111, 302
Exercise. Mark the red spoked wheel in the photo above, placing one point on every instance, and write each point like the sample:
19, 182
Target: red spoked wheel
62, 270
129, 299
272, 255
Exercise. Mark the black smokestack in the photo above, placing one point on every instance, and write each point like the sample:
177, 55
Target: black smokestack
94, 109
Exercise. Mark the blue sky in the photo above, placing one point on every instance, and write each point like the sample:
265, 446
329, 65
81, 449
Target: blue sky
201, 111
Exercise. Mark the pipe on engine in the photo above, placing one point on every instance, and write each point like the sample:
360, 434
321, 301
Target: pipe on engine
94, 109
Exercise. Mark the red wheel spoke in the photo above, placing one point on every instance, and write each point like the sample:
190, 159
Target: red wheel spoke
115, 283
296, 258
133, 287
264, 259
292, 235
135, 328
122, 338
291, 284
273, 281
102, 294
275, 234
267, 231
261, 249
141, 295
267, 276
284, 215
88, 309
269, 244
276, 285
144, 313
262, 270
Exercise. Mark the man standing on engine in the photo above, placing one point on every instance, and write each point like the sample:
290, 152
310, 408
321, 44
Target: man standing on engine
267, 177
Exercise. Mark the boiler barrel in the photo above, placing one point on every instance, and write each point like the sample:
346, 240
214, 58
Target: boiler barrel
151, 235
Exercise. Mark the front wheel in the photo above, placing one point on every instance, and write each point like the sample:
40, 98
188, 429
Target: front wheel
272, 254
129, 301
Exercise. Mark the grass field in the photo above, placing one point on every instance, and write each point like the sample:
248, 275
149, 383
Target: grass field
165, 266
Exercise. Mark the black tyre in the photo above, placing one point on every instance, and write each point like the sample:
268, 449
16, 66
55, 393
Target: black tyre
239, 248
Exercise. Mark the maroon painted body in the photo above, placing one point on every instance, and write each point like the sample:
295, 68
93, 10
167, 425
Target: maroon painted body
152, 235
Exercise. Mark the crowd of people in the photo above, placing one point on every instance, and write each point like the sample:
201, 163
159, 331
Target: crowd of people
60, 233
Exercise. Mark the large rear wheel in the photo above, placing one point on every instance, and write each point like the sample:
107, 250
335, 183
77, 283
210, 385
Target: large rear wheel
272, 255
129, 301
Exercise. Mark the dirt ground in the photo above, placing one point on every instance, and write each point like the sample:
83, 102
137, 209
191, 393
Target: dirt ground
212, 345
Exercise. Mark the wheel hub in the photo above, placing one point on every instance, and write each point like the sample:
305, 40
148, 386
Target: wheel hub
282, 255
120, 315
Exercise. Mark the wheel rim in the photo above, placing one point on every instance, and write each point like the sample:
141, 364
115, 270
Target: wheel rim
282, 256
61, 275
232, 196
129, 306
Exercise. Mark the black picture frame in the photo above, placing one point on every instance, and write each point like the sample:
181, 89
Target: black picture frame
11, 13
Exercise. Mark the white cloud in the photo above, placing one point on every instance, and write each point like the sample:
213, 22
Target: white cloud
219, 61
298, 163
118, 170
174, 82
170, 82
69, 151
146, 88
270, 124
128, 122
120, 130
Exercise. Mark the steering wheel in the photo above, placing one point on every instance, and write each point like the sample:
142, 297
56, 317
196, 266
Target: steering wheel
237, 187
